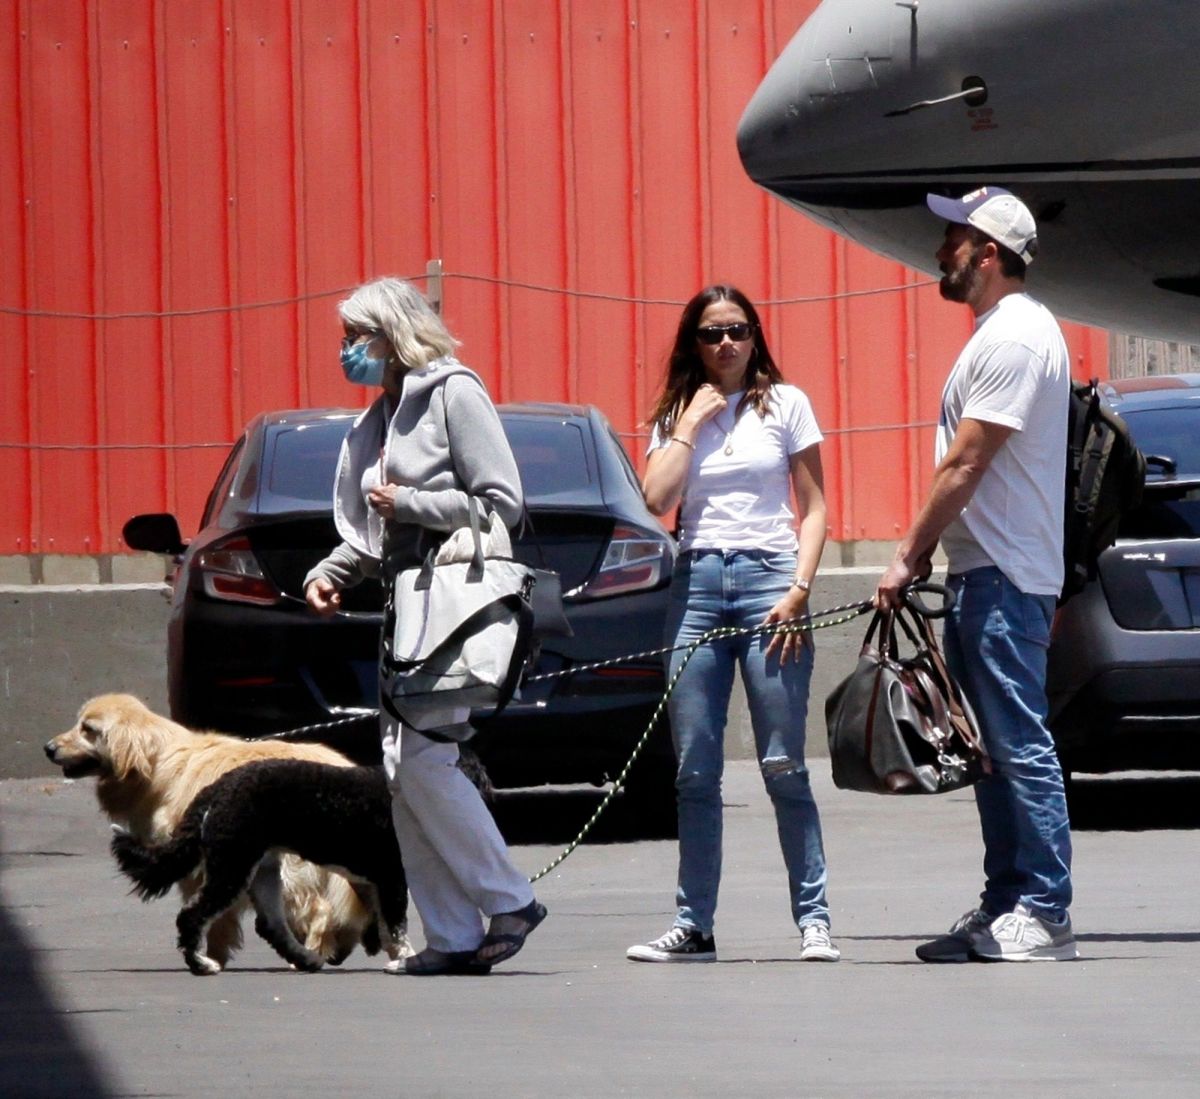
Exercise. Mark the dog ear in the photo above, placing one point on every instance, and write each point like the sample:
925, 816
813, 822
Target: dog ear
133, 742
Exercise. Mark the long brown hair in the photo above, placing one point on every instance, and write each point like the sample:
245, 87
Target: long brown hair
685, 369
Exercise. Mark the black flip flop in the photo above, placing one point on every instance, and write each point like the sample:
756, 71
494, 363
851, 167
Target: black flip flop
532, 915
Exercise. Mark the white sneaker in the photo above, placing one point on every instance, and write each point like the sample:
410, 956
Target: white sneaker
815, 944
1020, 936
955, 946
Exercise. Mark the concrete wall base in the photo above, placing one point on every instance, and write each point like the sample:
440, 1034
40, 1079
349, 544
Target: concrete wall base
62, 644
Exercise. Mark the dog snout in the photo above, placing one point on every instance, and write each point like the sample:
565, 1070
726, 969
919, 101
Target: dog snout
51, 749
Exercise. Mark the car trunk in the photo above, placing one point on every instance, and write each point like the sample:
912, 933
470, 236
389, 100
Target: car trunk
1153, 584
569, 542
1151, 577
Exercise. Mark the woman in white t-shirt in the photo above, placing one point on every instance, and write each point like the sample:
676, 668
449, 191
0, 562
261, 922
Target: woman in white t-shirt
732, 446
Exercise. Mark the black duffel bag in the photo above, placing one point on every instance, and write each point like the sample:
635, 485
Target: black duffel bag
900, 724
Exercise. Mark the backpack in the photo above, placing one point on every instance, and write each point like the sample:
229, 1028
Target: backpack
1105, 476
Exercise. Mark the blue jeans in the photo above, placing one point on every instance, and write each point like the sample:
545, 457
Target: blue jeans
712, 588
995, 640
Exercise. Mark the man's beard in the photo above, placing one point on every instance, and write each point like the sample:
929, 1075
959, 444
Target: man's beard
960, 284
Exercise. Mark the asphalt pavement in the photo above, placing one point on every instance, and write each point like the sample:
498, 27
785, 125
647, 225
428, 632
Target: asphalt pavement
96, 1001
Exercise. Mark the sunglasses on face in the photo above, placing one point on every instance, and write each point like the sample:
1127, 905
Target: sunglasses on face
351, 338
714, 333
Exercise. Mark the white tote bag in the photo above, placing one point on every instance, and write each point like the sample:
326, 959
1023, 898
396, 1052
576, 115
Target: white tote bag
463, 630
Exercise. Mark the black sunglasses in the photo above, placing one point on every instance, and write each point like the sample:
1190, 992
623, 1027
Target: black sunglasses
715, 333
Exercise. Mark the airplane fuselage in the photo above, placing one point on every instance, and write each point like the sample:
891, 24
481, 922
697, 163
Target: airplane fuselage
1084, 108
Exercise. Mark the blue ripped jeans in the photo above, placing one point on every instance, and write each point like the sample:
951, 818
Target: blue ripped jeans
712, 588
995, 641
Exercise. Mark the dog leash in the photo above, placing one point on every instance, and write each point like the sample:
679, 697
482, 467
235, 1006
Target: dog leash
793, 625
721, 633
846, 612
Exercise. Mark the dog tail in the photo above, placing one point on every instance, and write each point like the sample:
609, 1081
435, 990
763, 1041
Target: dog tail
154, 868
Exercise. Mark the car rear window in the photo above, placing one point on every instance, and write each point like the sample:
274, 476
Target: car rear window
552, 455
1166, 511
1172, 433
301, 461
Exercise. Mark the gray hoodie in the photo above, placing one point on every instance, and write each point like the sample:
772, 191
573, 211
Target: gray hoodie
443, 444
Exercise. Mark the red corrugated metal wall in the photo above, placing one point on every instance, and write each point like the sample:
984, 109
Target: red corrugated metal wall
188, 186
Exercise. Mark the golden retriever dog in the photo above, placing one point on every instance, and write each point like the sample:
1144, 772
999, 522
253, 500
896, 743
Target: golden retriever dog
149, 769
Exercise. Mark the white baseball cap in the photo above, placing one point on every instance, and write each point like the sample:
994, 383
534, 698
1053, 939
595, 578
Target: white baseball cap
994, 211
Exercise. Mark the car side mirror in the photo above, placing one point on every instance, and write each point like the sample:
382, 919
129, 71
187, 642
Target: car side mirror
157, 532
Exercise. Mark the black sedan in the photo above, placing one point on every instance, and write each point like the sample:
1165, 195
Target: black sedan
1124, 663
246, 655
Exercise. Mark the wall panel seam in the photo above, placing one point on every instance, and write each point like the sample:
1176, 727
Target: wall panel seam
568, 179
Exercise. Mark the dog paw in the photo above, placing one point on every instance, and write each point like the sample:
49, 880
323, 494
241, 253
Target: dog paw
397, 943
396, 965
202, 966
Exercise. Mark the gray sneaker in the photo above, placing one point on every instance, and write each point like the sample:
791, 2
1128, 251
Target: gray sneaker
1020, 936
680, 944
955, 946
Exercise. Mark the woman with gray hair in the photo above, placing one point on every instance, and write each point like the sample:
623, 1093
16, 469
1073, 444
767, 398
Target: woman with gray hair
409, 467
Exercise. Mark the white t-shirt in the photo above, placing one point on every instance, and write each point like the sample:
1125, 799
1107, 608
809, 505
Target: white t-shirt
743, 499
1014, 370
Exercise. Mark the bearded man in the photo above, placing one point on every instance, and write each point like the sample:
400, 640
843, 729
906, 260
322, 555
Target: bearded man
996, 505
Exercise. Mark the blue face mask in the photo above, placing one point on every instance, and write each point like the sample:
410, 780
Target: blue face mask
359, 367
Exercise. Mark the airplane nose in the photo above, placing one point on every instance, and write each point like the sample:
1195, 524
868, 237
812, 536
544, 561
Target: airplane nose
820, 100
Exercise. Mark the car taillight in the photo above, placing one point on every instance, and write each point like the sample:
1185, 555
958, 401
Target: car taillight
231, 572
635, 560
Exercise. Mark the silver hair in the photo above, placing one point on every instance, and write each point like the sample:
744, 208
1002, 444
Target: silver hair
402, 313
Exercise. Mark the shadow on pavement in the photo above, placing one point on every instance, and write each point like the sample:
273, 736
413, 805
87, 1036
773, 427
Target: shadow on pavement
40, 1055
1135, 804
556, 816
1140, 937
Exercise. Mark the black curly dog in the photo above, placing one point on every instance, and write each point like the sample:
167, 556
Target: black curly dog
338, 817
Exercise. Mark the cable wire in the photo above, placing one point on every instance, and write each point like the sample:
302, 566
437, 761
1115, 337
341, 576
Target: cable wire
462, 276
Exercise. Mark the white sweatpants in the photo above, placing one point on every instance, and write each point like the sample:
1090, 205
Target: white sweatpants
457, 863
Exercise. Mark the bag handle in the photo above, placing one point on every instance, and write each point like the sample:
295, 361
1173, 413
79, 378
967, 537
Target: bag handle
474, 569
947, 687
885, 623
909, 595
